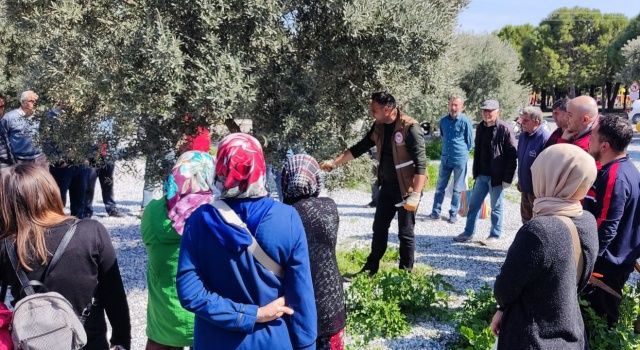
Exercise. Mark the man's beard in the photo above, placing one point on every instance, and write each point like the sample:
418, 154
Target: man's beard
595, 155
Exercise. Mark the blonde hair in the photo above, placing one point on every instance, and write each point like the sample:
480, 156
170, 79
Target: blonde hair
30, 203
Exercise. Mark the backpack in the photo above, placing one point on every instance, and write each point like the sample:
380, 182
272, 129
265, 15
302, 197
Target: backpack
45, 321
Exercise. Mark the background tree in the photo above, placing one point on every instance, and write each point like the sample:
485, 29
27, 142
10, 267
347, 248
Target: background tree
630, 32
340, 52
488, 68
631, 58
517, 36
301, 70
567, 53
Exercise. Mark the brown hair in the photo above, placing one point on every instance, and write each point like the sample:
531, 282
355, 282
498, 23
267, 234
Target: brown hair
30, 203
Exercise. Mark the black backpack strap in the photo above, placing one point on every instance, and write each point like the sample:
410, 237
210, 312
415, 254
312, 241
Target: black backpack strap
3, 292
61, 248
25, 283
22, 277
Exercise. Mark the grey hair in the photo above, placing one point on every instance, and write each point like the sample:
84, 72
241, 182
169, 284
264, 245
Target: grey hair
25, 95
456, 97
533, 113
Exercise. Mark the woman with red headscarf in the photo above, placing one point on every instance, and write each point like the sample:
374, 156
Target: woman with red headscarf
241, 302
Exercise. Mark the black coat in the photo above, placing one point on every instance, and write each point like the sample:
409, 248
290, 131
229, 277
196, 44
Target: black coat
503, 151
537, 285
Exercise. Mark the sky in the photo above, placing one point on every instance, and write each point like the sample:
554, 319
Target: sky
486, 16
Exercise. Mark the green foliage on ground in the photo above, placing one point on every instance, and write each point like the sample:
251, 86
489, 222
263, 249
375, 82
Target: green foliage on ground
432, 173
383, 306
474, 319
433, 149
475, 316
621, 335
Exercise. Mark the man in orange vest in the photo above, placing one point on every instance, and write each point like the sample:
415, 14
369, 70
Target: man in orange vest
401, 174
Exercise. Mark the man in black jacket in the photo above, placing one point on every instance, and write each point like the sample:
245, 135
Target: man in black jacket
494, 166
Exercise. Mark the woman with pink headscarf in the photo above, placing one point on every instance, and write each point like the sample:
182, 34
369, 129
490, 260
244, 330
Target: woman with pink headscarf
169, 326
239, 301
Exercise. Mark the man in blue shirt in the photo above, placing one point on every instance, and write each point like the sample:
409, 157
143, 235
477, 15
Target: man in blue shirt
17, 130
530, 144
457, 139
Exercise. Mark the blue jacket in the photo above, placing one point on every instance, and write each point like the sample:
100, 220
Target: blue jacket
529, 146
457, 139
224, 285
614, 200
17, 131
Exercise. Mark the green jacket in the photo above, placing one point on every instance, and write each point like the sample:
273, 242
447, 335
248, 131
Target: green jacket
167, 322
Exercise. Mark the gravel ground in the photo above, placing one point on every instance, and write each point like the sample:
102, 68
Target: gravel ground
467, 266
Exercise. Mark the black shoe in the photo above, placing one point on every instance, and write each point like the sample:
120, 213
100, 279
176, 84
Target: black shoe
348, 277
116, 214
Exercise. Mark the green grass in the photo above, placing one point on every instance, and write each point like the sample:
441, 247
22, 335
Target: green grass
351, 261
432, 172
512, 197
387, 304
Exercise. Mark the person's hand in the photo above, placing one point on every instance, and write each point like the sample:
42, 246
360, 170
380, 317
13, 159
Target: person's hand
328, 165
496, 321
412, 201
505, 185
273, 311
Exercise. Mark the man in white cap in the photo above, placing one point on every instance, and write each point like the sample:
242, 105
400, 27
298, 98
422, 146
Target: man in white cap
494, 166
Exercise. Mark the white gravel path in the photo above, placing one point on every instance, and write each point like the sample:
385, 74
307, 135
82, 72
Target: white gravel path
467, 266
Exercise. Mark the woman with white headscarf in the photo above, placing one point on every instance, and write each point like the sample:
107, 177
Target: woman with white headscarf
537, 288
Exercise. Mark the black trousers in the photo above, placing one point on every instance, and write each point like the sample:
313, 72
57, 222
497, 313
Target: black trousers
73, 179
603, 303
104, 174
385, 212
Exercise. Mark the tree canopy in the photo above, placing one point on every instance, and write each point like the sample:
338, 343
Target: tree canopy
571, 50
301, 70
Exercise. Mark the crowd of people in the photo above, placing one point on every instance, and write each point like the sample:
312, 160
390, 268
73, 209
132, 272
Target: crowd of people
229, 267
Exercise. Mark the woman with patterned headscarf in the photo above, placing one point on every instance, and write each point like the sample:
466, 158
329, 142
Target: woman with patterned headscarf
188, 186
239, 301
301, 185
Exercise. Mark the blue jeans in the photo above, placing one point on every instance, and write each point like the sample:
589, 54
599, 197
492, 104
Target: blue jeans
481, 188
459, 174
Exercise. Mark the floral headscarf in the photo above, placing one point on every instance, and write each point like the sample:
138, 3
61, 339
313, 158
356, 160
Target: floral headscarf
189, 186
301, 177
240, 170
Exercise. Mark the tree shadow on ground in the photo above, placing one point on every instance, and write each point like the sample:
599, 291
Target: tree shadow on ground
132, 256
453, 260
